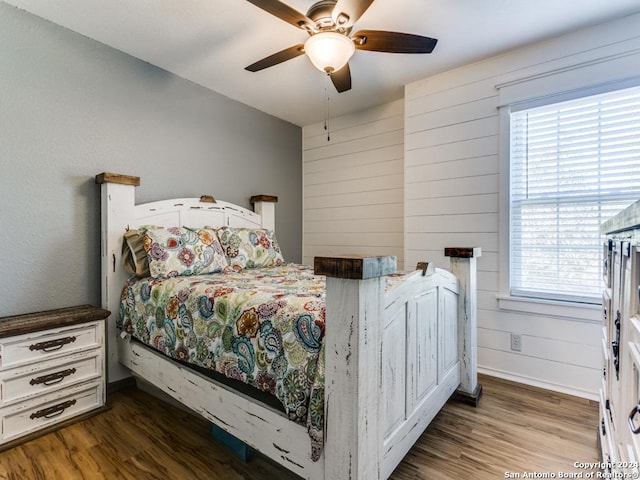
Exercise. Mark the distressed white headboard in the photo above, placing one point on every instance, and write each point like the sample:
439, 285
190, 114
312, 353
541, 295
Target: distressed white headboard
119, 213
195, 212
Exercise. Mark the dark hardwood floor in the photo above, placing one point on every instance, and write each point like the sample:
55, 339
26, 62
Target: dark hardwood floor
515, 429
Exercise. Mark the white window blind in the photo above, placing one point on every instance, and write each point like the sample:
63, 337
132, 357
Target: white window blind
574, 164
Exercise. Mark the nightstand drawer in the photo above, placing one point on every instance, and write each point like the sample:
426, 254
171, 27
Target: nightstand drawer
21, 383
31, 416
39, 346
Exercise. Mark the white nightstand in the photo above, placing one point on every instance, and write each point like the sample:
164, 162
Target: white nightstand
52, 370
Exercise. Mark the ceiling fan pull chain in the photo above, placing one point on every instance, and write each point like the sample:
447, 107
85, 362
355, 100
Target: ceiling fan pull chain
326, 107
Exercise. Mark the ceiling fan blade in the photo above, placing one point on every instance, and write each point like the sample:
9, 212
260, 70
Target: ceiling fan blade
342, 79
393, 42
284, 12
347, 12
276, 58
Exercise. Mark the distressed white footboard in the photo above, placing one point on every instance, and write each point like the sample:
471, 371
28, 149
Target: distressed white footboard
392, 361
420, 359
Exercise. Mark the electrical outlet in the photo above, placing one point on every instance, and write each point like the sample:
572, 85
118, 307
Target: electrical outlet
516, 342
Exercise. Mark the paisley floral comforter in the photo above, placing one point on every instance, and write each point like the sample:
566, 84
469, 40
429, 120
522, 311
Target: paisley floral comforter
263, 327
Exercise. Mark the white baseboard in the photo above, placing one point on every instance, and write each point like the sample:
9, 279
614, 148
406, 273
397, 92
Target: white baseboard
534, 382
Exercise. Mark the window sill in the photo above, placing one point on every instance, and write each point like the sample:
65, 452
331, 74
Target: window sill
550, 308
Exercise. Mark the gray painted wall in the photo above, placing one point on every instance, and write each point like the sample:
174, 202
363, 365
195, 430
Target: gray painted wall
70, 108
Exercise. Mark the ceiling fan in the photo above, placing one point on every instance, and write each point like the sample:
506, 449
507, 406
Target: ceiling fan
330, 44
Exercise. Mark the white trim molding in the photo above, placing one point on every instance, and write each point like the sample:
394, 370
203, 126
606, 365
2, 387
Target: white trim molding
582, 312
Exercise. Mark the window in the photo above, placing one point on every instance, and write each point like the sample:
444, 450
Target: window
573, 165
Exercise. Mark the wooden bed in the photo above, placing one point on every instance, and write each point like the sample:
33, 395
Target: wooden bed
405, 353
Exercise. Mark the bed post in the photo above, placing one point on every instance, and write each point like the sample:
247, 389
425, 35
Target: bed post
117, 207
264, 205
353, 362
463, 266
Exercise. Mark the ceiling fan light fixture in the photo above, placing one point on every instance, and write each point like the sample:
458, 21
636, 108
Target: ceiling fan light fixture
329, 51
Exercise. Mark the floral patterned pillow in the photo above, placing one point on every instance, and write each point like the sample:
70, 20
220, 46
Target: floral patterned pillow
250, 247
182, 251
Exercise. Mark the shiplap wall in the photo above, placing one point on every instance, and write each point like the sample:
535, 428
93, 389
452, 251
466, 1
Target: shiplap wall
453, 197
353, 184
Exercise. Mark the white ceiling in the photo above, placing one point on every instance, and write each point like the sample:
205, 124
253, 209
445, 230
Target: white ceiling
211, 41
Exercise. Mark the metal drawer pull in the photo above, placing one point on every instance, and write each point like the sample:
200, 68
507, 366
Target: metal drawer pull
52, 378
615, 346
607, 406
54, 411
52, 345
635, 430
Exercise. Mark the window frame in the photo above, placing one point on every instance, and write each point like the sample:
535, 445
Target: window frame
559, 308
